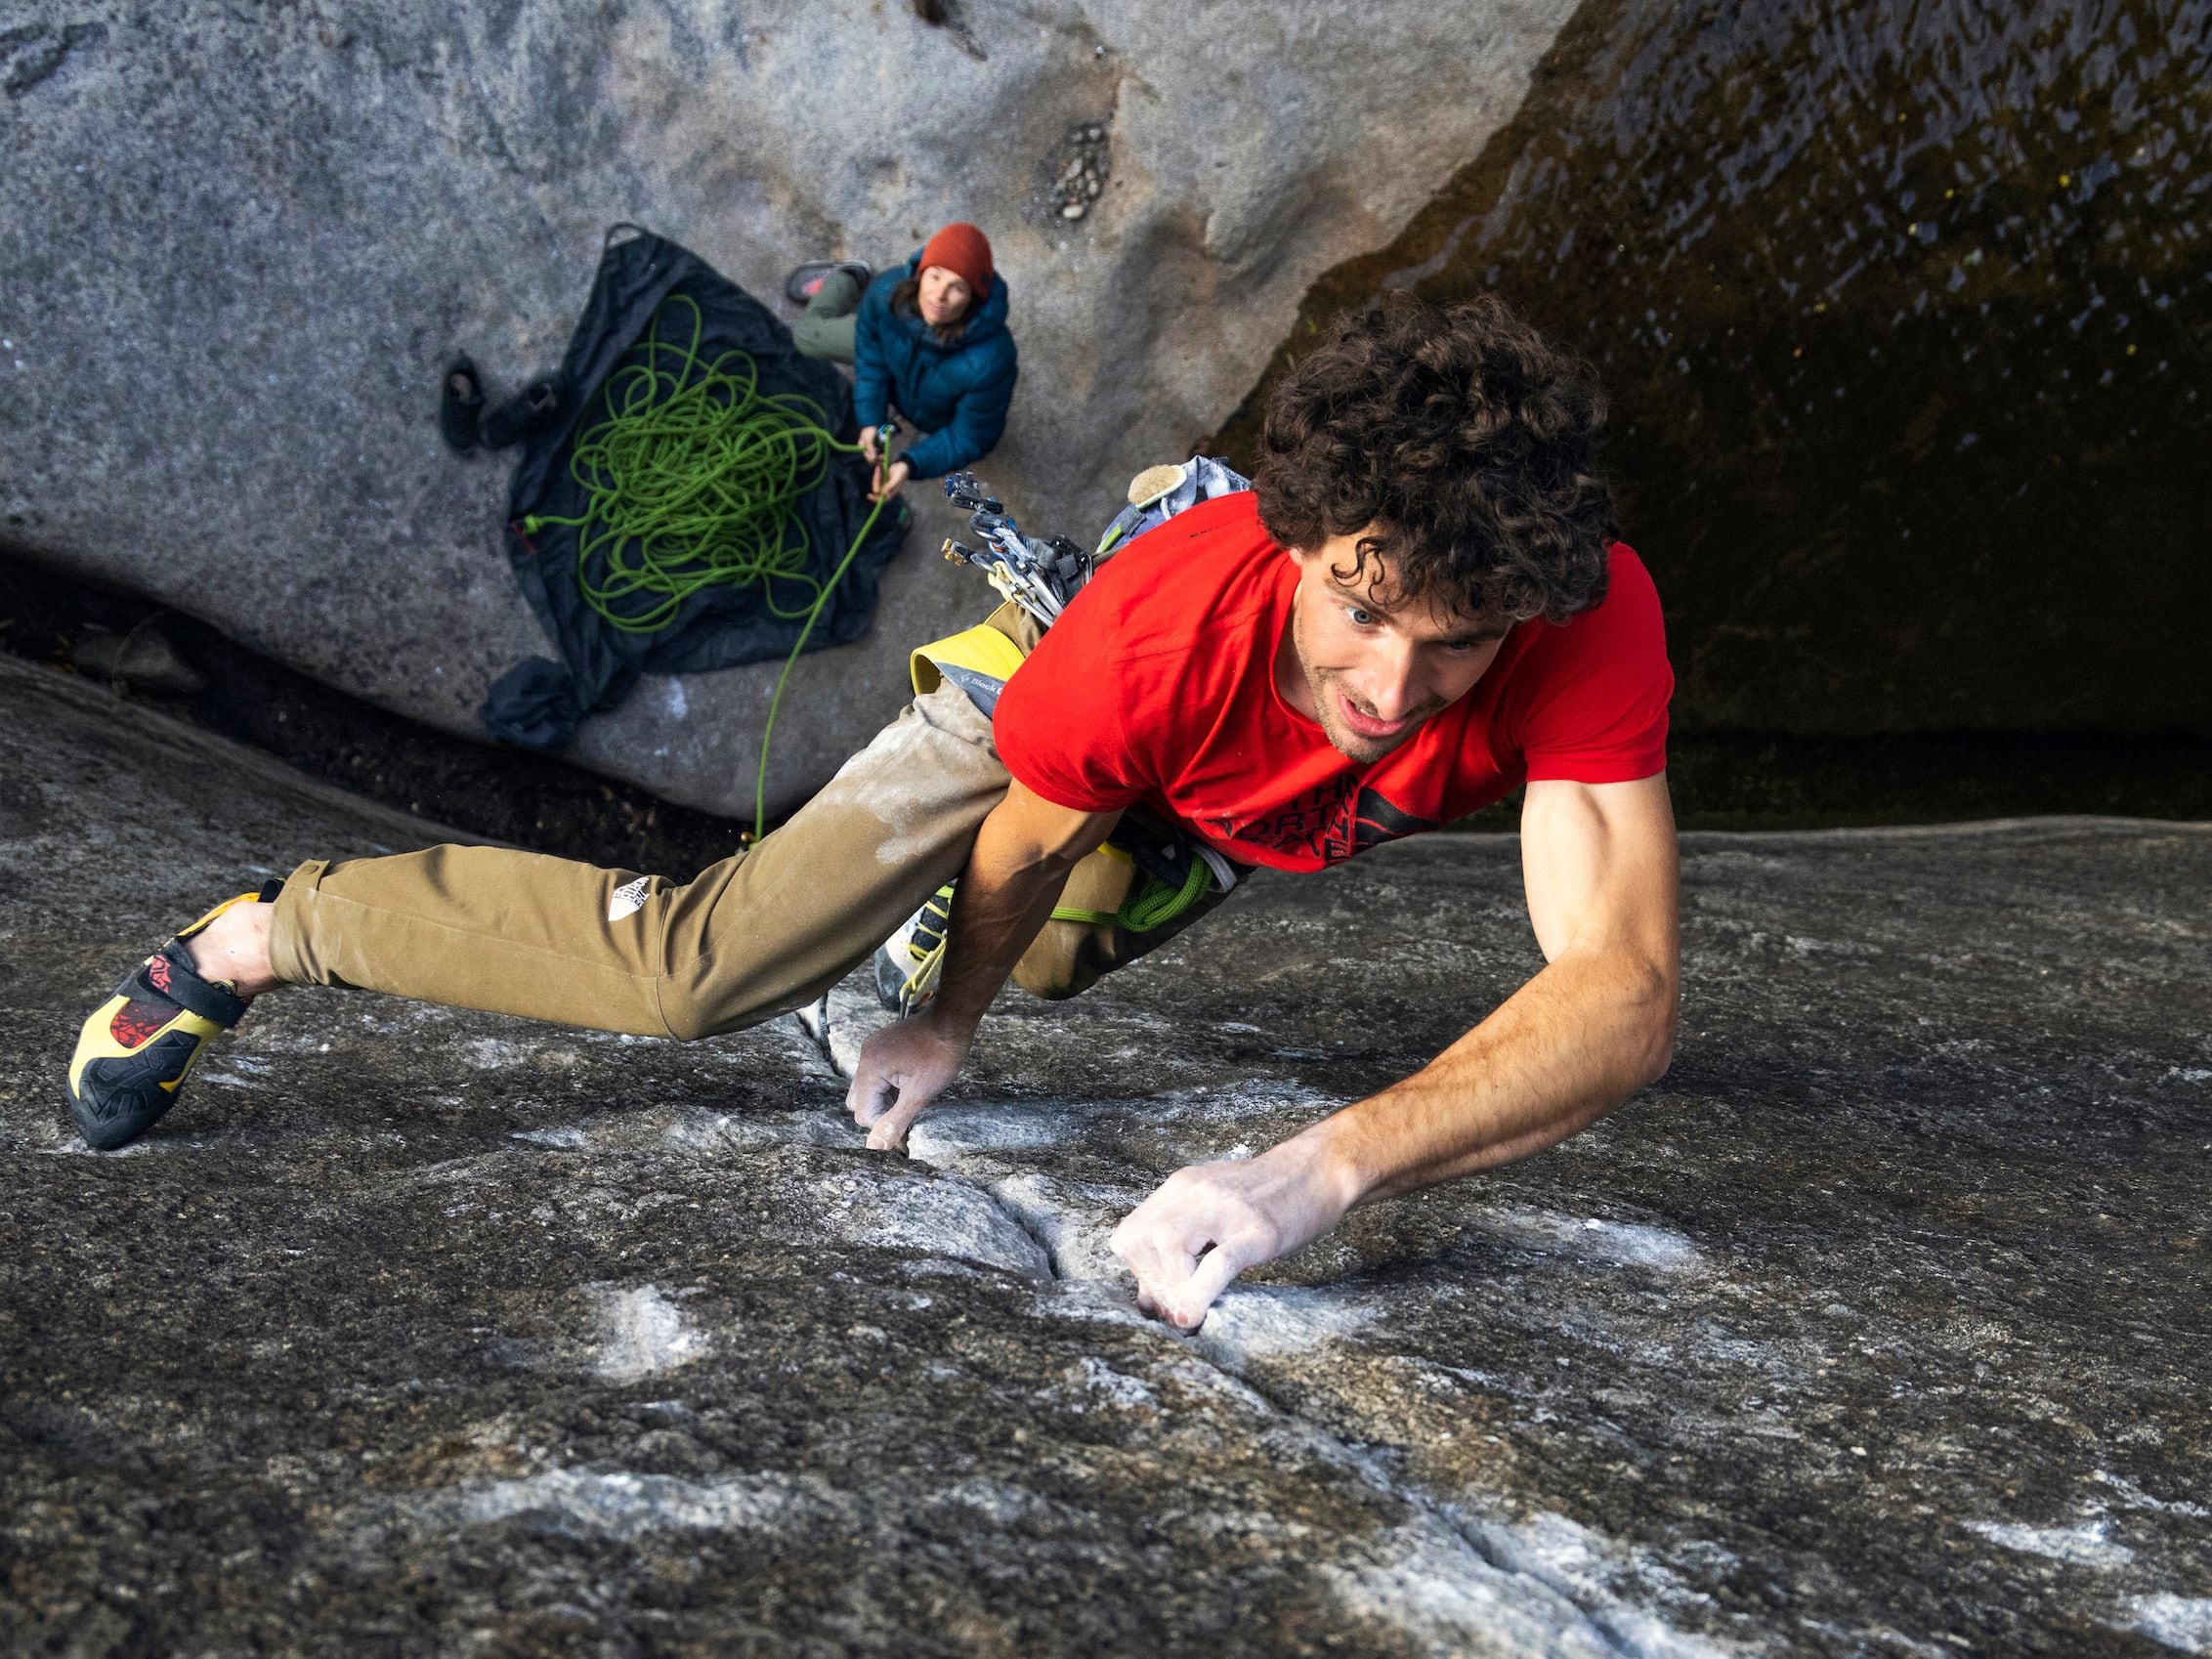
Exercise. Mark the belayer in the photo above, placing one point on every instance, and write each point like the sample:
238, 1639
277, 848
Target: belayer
1417, 607
927, 338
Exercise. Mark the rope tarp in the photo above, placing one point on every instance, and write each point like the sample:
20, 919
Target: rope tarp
692, 507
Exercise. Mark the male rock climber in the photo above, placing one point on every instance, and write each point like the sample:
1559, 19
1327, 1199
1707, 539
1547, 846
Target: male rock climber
1418, 608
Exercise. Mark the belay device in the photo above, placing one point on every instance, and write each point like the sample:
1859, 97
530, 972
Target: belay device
1175, 870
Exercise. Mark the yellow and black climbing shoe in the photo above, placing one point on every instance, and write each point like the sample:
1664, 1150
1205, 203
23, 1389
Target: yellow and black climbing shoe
908, 963
138, 1047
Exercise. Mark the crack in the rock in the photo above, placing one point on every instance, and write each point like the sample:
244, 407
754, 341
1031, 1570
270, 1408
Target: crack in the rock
819, 1032
1368, 1469
817, 1029
1222, 1356
1016, 1217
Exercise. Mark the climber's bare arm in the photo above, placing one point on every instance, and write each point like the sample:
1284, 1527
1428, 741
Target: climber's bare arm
1594, 1026
1014, 873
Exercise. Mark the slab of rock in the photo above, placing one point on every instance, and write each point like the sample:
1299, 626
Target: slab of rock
1876, 1328
239, 244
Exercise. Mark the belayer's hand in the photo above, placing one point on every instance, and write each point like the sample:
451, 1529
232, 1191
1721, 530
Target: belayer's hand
1206, 1223
888, 485
868, 443
903, 1068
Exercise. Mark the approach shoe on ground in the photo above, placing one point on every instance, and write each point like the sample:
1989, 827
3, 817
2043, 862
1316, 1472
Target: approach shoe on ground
909, 962
138, 1047
805, 280
537, 408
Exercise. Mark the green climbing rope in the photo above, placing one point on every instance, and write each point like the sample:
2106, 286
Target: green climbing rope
1152, 904
692, 479
768, 729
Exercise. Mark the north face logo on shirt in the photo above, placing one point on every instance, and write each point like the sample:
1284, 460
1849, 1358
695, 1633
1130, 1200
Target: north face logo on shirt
1337, 821
1367, 820
629, 898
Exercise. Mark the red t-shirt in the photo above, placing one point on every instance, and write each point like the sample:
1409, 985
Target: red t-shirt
1156, 687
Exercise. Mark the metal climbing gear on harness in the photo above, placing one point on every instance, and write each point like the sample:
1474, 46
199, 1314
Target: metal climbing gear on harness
1041, 576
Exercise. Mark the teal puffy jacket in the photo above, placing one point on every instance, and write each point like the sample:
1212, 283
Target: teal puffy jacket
956, 393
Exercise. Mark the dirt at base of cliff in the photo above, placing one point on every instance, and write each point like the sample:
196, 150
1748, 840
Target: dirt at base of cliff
499, 792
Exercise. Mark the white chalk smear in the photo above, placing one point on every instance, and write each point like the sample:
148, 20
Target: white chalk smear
2135, 1498
942, 1216
2087, 1545
1256, 1320
1434, 1588
994, 1500
1074, 1219
1627, 1244
569, 1138
1113, 1388
642, 1332
620, 1504
494, 1054
950, 1133
2178, 1620
1597, 1574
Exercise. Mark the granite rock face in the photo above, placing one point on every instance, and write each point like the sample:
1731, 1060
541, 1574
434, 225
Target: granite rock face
237, 244
1877, 1327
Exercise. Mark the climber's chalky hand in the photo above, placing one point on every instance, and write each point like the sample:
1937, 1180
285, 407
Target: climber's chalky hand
1206, 1223
901, 1069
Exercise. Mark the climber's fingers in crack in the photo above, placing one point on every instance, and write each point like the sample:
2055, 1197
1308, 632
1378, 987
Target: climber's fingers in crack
889, 1131
1183, 1258
870, 1095
901, 1069
1184, 1305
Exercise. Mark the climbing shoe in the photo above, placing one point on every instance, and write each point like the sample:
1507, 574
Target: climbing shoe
537, 408
460, 404
908, 963
138, 1047
803, 284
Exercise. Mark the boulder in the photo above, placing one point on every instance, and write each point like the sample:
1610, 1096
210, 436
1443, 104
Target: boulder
239, 244
1876, 1327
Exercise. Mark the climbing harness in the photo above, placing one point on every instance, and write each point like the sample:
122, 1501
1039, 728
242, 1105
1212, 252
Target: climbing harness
691, 479
1174, 871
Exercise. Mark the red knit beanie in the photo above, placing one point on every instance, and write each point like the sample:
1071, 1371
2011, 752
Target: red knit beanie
964, 251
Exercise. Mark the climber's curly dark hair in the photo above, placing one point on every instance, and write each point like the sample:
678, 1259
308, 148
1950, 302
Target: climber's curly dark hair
1464, 440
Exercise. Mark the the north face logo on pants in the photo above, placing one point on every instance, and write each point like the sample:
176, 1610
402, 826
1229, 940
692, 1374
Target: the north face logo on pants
629, 898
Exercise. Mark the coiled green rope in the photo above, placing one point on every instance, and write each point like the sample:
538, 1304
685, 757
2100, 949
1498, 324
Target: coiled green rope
693, 479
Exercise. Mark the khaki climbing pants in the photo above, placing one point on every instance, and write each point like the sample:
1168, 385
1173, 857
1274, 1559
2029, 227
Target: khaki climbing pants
753, 936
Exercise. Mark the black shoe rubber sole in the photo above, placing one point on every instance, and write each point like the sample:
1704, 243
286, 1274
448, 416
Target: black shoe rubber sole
117, 1100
